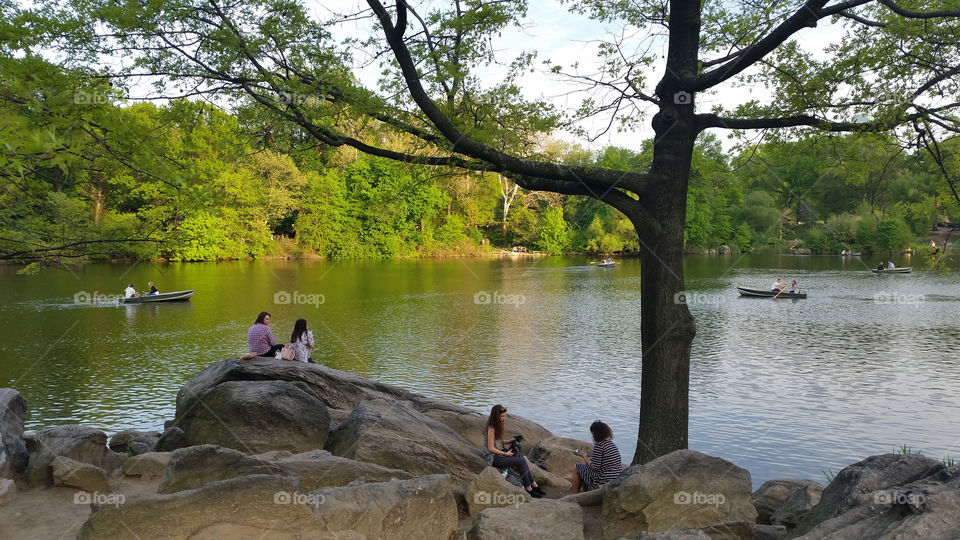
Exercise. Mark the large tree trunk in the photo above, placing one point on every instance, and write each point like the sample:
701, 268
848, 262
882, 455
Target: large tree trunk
666, 326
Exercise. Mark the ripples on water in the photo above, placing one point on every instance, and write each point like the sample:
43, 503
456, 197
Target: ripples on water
783, 388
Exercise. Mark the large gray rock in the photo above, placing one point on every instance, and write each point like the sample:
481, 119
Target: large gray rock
541, 518
84, 476
133, 442
679, 491
268, 506
555, 454
258, 416
886, 497
490, 489
13, 450
149, 465
8, 491
79, 443
798, 505
547, 478
469, 424
396, 435
173, 438
190, 468
773, 493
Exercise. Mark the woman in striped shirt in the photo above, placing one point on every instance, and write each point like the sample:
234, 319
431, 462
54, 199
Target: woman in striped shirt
606, 464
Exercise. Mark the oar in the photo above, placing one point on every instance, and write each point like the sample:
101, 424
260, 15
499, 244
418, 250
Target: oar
778, 294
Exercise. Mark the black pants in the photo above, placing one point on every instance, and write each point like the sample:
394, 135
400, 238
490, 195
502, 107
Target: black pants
273, 350
517, 463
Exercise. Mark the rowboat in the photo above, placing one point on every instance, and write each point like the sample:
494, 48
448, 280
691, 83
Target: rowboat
163, 297
764, 293
897, 270
610, 264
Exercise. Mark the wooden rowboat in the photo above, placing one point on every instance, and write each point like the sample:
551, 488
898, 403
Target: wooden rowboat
897, 270
163, 297
764, 293
610, 264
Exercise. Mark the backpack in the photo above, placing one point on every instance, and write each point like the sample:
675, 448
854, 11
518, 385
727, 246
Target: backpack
287, 353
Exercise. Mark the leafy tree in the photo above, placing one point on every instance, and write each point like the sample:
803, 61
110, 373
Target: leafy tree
554, 232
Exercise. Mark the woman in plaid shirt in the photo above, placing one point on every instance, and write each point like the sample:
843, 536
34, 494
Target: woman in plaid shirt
260, 340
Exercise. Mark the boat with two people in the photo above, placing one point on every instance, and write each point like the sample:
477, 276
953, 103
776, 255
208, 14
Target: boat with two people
768, 293
606, 263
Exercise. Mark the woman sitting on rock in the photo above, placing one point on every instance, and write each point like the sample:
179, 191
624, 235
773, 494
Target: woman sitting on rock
302, 341
606, 464
496, 454
260, 340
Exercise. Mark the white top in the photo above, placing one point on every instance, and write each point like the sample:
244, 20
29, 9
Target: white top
777, 285
303, 346
129, 292
890, 265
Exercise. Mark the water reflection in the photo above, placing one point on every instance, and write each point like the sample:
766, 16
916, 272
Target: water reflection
783, 388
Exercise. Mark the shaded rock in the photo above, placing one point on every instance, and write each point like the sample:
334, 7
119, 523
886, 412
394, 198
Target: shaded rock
769, 532
8, 490
547, 478
192, 467
773, 493
490, 489
79, 443
149, 465
13, 449
67, 472
555, 454
395, 435
800, 502
133, 442
469, 424
267, 506
594, 497
173, 438
257, 416
693, 534
540, 518
888, 496
682, 490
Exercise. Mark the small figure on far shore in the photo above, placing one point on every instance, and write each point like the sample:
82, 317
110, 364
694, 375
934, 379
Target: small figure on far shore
130, 292
606, 464
260, 340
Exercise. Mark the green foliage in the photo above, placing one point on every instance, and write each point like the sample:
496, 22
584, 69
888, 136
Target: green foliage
554, 237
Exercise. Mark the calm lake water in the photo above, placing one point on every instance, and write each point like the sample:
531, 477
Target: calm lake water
783, 388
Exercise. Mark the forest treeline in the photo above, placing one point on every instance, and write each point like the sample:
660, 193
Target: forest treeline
88, 176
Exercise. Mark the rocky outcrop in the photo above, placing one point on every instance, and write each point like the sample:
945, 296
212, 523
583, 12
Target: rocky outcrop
541, 518
8, 490
547, 478
682, 490
773, 493
149, 465
173, 438
83, 476
797, 506
13, 449
888, 496
257, 416
133, 442
396, 435
268, 506
192, 467
555, 454
79, 443
490, 489
469, 424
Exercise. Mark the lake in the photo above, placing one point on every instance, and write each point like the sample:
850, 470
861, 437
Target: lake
784, 388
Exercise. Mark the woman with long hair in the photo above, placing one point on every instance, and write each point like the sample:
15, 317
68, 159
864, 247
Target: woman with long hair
302, 341
605, 465
260, 340
499, 456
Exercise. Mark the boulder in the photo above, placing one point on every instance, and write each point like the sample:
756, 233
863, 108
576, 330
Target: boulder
149, 465
679, 491
773, 493
555, 454
396, 435
469, 424
546, 478
79, 443
268, 506
173, 438
490, 489
133, 442
594, 497
83, 476
800, 502
769, 532
13, 449
8, 490
257, 416
540, 518
693, 534
888, 496
192, 467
